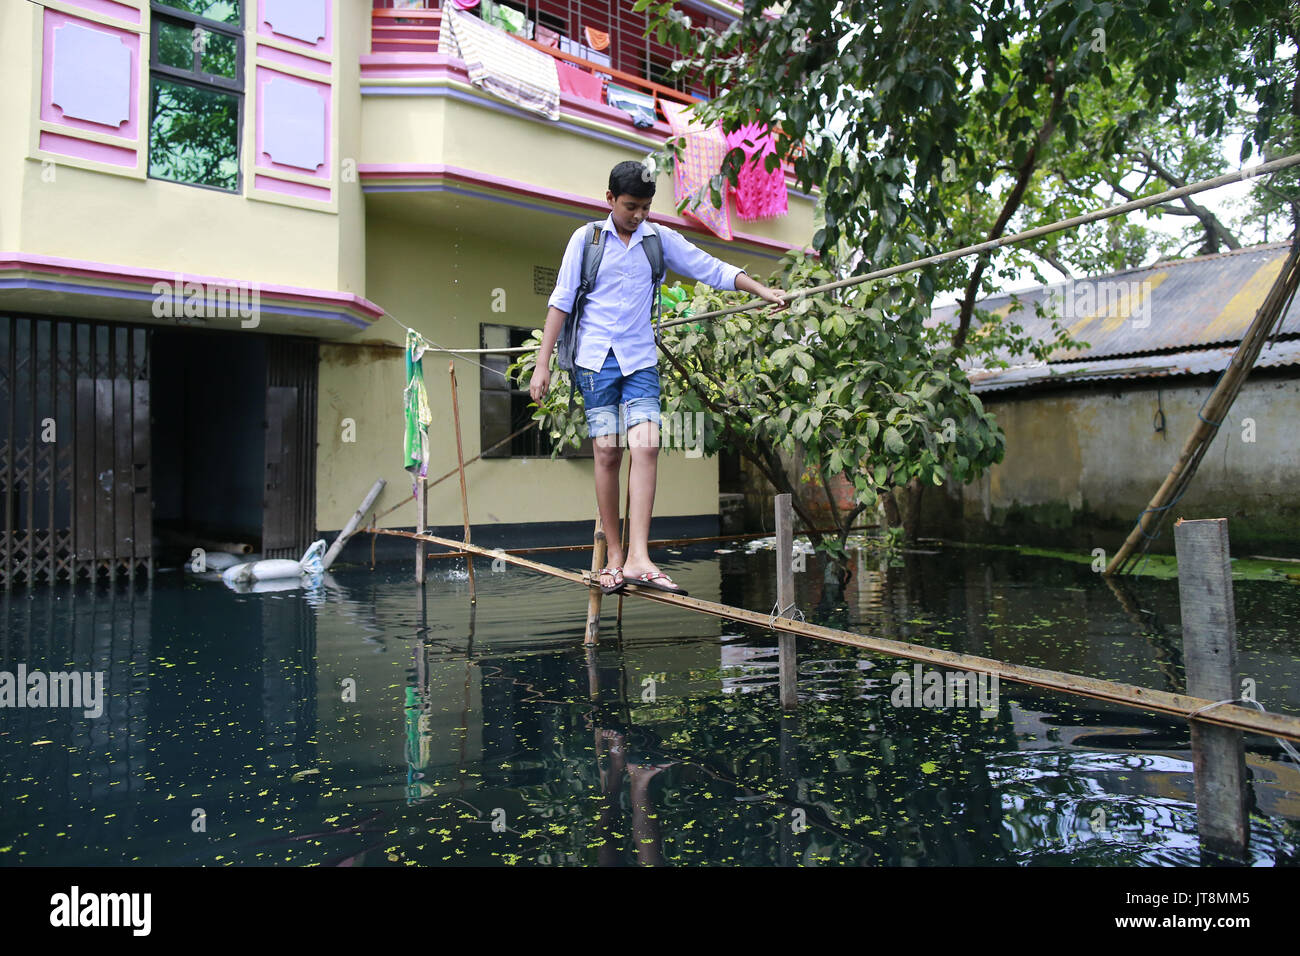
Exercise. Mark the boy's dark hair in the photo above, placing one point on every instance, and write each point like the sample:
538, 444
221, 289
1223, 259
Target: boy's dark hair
631, 178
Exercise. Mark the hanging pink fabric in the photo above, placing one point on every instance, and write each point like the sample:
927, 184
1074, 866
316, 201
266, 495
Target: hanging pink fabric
544, 35
701, 160
579, 83
465, 4
759, 194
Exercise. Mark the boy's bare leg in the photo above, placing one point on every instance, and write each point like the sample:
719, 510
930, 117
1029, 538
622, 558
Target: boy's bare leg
608, 460
643, 443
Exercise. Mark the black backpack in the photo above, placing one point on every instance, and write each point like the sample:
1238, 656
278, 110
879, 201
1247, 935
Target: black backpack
593, 249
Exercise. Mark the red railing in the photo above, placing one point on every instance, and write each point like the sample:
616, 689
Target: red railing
416, 30
401, 30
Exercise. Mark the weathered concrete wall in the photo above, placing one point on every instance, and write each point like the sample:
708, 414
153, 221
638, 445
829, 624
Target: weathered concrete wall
1081, 465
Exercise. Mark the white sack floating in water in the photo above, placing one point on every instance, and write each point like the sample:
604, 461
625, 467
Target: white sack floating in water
277, 569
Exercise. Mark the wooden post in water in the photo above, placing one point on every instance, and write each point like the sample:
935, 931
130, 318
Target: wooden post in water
460, 461
593, 600
789, 665
627, 517
420, 501
1210, 657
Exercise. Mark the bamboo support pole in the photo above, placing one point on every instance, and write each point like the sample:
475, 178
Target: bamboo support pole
351, 526
627, 517
593, 599
464, 492
788, 662
421, 502
1213, 412
469, 461
1143, 698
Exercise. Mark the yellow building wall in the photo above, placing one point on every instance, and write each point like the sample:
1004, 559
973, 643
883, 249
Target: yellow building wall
75, 213
16, 79
442, 285
437, 129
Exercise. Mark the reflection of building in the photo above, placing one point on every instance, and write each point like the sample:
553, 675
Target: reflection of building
208, 209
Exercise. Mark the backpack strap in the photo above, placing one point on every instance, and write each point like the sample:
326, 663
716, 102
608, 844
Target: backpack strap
653, 245
593, 249
592, 252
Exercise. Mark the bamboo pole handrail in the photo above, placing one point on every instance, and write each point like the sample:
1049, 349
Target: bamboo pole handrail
1222, 714
978, 248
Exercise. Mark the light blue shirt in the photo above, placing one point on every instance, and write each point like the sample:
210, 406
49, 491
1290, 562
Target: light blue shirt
617, 313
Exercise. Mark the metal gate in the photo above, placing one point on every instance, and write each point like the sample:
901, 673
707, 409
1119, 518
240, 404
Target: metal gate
74, 463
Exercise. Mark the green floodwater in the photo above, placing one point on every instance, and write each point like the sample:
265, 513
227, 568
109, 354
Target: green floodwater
354, 723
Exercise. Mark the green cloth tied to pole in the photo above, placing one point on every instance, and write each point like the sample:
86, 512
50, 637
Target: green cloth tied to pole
418, 416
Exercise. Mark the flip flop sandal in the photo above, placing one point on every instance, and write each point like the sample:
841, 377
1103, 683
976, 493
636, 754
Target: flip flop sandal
617, 574
650, 580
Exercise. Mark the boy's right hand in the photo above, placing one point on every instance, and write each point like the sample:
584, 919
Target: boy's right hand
540, 384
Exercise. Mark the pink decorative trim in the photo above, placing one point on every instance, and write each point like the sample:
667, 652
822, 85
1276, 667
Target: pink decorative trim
301, 190
104, 272
409, 65
296, 60
85, 149
378, 172
325, 45
52, 113
109, 9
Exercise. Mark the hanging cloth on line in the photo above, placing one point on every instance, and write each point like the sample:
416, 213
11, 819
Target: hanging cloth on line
578, 82
759, 194
597, 40
507, 18
501, 64
640, 106
418, 416
700, 162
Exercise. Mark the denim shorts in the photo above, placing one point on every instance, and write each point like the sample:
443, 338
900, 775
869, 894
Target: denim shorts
609, 391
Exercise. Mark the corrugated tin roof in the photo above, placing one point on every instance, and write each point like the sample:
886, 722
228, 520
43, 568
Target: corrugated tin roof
1198, 362
1206, 301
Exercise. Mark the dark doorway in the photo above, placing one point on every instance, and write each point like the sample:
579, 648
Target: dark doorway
209, 408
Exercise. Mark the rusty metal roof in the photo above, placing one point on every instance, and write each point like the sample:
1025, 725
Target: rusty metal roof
1170, 306
1197, 362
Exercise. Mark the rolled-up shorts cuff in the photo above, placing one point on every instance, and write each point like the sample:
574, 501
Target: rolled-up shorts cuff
602, 420
640, 410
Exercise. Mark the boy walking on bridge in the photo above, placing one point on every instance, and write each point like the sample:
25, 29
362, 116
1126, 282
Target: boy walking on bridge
615, 364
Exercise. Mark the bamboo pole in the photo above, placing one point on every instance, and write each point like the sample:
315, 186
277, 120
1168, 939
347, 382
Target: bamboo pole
1143, 698
469, 461
464, 492
1214, 411
980, 248
593, 599
788, 663
627, 518
351, 526
656, 543
421, 502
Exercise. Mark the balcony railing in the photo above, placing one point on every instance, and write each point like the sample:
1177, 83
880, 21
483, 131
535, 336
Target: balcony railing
416, 30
